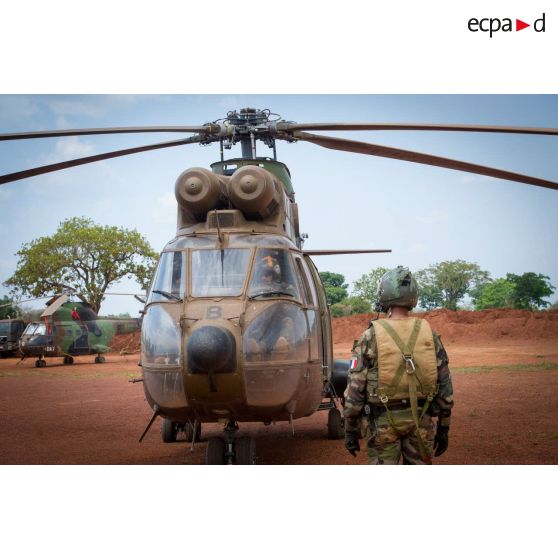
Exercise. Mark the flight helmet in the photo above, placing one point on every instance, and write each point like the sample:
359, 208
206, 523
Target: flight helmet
397, 287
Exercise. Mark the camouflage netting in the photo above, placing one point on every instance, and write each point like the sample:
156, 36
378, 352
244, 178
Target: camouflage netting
467, 326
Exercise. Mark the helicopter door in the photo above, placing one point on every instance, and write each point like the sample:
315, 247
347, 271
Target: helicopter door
81, 340
310, 299
327, 343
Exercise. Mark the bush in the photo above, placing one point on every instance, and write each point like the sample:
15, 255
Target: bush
349, 306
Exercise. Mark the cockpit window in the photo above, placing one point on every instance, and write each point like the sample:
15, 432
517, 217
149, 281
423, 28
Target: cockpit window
170, 280
219, 272
273, 275
35, 329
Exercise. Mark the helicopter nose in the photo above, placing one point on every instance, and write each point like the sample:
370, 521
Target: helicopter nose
211, 349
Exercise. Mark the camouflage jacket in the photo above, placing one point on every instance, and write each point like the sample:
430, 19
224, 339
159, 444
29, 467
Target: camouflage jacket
365, 353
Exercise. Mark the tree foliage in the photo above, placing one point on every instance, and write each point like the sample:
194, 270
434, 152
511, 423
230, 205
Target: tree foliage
350, 305
495, 294
335, 286
84, 257
366, 286
530, 290
446, 283
8, 308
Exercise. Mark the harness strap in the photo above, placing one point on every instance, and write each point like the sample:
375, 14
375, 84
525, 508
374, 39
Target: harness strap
407, 352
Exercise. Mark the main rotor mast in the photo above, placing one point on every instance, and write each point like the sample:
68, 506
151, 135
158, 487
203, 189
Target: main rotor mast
246, 126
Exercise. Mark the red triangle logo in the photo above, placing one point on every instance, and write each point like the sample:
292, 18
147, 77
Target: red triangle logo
519, 25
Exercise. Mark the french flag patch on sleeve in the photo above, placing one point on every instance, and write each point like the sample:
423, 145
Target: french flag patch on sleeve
353, 364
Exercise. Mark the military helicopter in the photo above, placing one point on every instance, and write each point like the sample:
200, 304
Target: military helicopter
236, 325
68, 329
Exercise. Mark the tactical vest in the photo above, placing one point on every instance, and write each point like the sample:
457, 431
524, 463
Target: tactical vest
407, 368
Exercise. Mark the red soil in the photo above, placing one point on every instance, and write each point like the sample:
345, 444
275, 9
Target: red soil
90, 413
467, 326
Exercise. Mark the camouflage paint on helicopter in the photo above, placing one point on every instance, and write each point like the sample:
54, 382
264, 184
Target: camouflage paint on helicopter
69, 329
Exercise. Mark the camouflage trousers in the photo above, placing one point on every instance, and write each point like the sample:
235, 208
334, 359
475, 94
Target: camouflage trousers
387, 442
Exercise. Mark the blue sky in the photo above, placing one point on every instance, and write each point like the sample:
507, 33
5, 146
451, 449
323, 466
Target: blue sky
424, 214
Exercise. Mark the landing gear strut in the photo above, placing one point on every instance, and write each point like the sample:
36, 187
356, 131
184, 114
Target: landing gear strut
230, 449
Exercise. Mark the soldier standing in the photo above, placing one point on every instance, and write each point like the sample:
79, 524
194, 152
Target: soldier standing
399, 380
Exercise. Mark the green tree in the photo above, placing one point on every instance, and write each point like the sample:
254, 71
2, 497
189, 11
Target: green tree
495, 294
83, 257
530, 290
366, 286
335, 286
430, 296
350, 305
8, 308
446, 283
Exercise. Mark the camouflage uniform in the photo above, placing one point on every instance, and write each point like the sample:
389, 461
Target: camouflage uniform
388, 439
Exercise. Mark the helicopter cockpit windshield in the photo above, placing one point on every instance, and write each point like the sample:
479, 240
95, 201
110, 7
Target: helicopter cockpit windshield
273, 275
35, 329
170, 281
219, 272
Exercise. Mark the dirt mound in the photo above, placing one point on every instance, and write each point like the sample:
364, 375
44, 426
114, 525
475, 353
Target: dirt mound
126, 343
466, 326
461, 326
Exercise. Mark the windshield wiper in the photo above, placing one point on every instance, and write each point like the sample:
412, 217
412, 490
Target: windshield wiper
271, 293
170, 296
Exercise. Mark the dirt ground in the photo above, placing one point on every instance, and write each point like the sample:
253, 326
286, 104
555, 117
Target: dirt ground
506, 388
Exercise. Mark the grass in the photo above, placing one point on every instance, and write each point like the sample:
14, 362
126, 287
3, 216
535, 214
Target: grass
505, 368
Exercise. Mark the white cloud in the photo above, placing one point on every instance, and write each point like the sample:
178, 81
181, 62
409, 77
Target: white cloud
62, 123
70, 107
164, 211
69, 148
15, 108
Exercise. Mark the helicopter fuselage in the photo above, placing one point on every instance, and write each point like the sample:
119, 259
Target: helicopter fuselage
236, 326
230, 348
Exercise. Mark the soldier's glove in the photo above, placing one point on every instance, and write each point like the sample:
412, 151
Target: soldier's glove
351, 442
441, 440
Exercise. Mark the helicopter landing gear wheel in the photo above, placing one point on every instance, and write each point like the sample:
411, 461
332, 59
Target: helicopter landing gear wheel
215, 451
335, 425
40, 363
189, 432
68, 360
168, 431
245, 451
100, 359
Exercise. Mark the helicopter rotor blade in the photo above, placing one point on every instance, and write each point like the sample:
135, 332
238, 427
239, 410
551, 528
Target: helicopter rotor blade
364, 126
340, 252
416, 157
93, 158
208, 129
